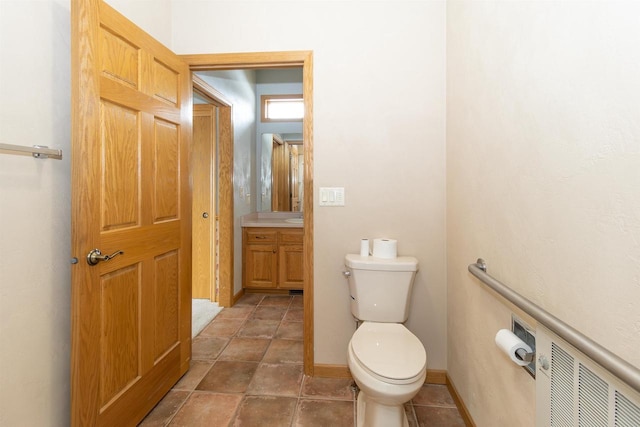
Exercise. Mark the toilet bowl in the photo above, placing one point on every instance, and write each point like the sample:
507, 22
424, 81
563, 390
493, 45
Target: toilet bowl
386, 360
389, 364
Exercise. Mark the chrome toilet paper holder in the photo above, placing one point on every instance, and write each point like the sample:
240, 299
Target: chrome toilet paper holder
525, 356
526, 334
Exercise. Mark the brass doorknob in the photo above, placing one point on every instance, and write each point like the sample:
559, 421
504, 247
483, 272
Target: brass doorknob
95, 256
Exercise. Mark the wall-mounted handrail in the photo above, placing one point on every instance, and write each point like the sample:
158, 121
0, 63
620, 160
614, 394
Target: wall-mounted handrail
37, 151
619, 367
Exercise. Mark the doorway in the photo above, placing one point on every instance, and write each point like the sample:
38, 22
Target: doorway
219, 279
208, 108
303, 59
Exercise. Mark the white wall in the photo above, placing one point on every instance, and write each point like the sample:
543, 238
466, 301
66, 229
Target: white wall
543, 173
34, 214
239, 88
153, 16
379, 131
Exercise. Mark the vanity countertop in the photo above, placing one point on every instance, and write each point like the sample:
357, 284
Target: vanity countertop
273, 219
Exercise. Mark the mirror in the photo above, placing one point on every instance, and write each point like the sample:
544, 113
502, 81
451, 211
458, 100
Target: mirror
281, 173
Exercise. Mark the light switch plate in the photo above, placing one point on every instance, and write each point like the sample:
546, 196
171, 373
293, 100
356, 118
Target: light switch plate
331, 196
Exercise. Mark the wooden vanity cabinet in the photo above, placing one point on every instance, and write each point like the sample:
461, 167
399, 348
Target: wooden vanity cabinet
290, 261
272, 258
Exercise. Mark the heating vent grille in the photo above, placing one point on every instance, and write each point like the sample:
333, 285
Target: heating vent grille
584, 395
561, 387
627, 414
593, 399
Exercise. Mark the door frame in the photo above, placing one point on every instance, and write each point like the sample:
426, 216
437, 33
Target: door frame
224, 213
286, 59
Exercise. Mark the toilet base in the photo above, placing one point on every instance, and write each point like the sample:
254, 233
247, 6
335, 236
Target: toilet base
370, 413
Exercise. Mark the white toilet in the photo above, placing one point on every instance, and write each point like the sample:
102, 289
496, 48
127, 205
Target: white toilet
387, 361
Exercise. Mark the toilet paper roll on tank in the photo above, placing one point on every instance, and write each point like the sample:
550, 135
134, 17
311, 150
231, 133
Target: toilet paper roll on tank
382, 248
364, 247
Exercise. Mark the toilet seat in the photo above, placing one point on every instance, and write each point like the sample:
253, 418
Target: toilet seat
389, 352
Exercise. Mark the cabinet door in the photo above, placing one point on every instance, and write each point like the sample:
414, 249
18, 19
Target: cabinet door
290, 267
261, 266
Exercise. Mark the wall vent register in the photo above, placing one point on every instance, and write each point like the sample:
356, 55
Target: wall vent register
576, 391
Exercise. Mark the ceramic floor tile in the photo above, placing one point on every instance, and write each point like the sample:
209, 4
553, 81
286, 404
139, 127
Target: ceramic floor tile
194, 375
411, 415
237, 381
284, 351
207, 409
228, 377
253, 328
294, 315
297, 301
276, 380
165, 409
276, 300
328, 388
290, 331
235, 312
313, 413
207, 348
247, 349
222, 328
265, 411
250, 299
435, 416
434, 395
269, 313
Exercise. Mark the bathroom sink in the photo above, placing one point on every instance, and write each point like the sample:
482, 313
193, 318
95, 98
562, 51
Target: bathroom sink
294, 220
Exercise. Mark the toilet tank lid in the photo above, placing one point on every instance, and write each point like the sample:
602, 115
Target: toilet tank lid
403, 263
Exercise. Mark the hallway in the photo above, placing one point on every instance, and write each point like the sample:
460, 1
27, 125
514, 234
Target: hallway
247, 371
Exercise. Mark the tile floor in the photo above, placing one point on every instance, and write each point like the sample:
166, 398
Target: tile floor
247, 371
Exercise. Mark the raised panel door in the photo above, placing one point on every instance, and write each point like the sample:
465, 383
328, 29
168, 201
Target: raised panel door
131, 326
261, 266
203, 215
290, 266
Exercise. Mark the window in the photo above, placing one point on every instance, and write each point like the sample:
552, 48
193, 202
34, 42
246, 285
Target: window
282, 108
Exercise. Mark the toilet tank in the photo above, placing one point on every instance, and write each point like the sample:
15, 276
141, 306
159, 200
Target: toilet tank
380, 288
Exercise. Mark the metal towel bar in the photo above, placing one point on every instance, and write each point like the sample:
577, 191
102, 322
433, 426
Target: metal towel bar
37, 151
622, 369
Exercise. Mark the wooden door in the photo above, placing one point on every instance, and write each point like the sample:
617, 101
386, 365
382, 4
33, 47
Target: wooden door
259, 258
294, 172
131, 122
261, 261
203, 215
290, 259
280, 195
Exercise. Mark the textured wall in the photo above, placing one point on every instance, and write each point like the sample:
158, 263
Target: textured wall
153, 16
543, 168
379, 122
34, 214
35, 211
